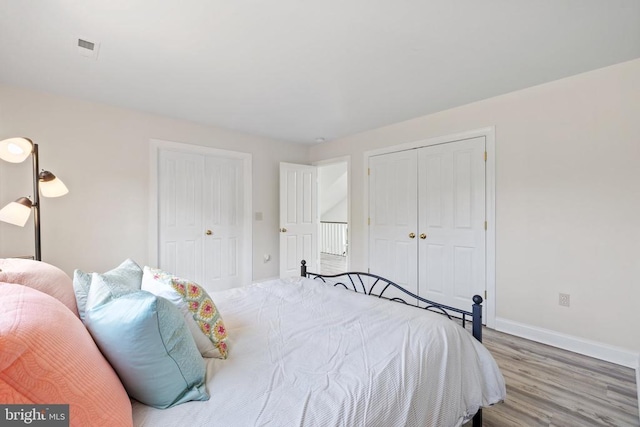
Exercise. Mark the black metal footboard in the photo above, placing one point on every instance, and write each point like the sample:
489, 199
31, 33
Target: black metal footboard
371, 284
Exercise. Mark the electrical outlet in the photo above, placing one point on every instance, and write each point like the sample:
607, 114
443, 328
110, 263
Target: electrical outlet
564, 300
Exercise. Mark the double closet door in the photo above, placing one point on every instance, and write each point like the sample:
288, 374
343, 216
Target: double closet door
201, 218
427, 220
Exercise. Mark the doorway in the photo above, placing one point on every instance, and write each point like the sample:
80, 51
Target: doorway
333, 207
314, 217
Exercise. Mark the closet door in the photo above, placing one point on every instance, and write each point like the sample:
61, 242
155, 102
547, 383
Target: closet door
201, 226
393, 219
222, 218
451, 222
181, 230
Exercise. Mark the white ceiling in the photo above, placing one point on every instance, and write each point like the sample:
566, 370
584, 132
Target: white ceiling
296, 70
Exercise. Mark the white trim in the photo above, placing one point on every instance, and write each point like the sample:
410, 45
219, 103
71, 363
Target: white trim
490, 203
155, 145
154, 148
598, 350
489, 130
365, 207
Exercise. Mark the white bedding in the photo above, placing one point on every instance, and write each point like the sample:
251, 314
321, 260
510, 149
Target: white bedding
306, 354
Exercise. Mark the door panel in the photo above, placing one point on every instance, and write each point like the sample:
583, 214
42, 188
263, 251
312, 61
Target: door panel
180, 211
462, 272
463, 189
452, 215
393, 217
298, 218
434, 268
223, 198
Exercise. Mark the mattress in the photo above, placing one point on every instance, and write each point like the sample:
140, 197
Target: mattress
303, 353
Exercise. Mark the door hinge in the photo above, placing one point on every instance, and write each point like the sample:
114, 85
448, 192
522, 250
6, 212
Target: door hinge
368, 171
485, 225
368, 270
368, 221
485, 294
485, 156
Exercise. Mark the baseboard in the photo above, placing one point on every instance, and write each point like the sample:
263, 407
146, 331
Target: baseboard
598, 350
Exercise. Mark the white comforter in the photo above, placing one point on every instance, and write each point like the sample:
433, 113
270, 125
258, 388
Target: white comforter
306, 354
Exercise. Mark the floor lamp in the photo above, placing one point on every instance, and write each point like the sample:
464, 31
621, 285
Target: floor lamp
17, 150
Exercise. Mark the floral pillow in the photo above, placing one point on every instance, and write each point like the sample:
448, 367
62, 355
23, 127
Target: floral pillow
199, 311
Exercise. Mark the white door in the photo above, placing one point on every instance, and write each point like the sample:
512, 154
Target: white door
298, 218
393, 223
181, 230
223, 221
200, 235
452, 222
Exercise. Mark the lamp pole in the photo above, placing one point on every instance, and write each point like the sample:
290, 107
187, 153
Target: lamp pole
16, 150
36, 201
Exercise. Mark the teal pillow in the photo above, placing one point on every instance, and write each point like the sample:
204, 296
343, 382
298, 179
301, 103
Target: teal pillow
128, 273
147, 342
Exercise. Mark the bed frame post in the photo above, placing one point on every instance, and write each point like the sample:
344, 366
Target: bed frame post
303, 268
477, 418
477, 317
477, 333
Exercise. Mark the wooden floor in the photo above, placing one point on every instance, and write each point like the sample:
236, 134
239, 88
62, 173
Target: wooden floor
332, 264
547, 386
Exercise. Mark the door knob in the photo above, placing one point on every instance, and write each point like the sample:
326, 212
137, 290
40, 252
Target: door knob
423, 236
208, 232
284, 230
412, 235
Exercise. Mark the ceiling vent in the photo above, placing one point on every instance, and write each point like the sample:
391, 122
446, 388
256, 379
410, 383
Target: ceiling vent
88, 48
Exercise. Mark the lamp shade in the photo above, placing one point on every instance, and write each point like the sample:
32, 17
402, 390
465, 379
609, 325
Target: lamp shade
50, 186
15, 150
17, 213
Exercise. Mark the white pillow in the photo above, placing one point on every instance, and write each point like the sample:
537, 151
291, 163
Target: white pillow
199, 311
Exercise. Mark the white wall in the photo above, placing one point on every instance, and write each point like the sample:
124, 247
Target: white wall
567, 191
332, 192
338, 213
567, 196
102, 155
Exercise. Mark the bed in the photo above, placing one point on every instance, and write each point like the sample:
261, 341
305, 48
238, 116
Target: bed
306, 354
303, 351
